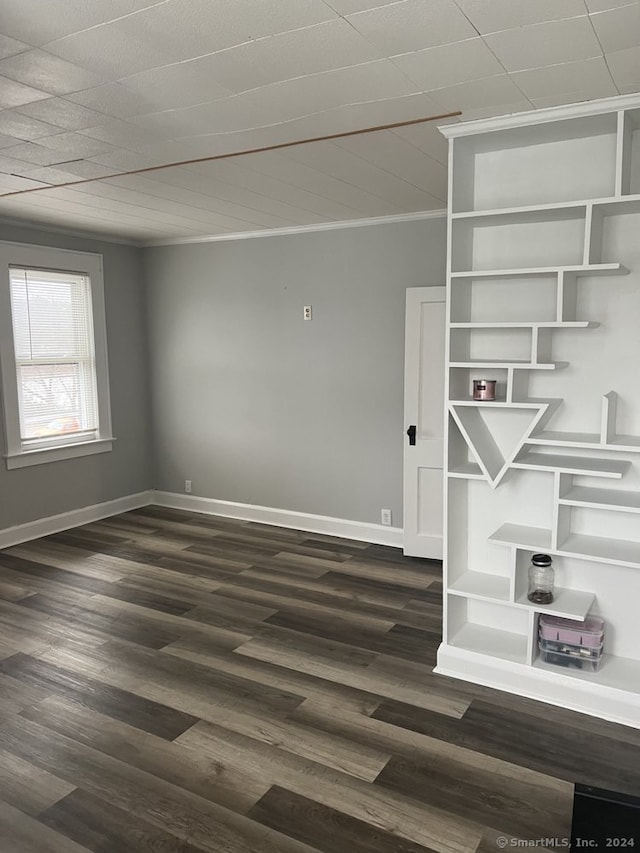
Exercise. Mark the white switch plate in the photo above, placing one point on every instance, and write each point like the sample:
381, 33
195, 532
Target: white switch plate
187, 487
307, 312
385, 517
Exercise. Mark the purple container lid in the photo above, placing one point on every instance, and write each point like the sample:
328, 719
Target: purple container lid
591, 625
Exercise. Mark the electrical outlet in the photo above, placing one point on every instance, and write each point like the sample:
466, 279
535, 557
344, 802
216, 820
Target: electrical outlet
385, 517
307, 312
187, 487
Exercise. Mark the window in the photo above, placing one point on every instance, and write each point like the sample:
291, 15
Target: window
52, 355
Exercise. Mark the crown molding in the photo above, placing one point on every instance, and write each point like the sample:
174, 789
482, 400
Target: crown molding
301, 229
563, 111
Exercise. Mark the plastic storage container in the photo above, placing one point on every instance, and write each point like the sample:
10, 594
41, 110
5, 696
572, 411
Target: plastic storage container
570, 656
589, 633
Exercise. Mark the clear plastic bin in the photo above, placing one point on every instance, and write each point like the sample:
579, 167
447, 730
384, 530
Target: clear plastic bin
589, 633
570, 656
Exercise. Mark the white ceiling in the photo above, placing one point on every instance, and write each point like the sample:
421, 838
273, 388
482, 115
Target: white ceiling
92, 88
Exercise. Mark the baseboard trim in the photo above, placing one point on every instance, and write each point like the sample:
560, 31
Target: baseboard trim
555, 688
74, 518
375, 533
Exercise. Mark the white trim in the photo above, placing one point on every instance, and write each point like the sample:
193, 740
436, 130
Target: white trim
564, 111
586, 697
301, 229
25, 458
17, 453
74, 518
362, 531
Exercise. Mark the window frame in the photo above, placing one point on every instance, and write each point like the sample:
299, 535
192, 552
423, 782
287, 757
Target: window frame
19, 454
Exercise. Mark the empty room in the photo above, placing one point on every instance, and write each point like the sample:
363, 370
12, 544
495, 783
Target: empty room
319, 426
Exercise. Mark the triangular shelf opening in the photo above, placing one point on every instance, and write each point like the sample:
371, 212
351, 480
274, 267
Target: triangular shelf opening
495, 435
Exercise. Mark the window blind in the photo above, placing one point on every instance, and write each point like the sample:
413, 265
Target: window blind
54, 352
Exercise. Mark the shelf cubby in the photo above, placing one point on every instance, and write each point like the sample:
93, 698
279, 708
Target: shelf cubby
616, 500
494, 170
488, 628
582, 466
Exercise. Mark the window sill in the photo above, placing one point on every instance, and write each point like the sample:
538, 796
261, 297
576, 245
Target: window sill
25, 458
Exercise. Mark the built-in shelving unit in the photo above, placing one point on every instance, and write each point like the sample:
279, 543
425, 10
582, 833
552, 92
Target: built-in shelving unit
543, 297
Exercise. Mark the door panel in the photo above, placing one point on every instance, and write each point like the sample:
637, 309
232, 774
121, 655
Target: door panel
424, 408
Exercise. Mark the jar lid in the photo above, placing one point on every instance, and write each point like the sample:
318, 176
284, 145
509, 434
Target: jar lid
541, 560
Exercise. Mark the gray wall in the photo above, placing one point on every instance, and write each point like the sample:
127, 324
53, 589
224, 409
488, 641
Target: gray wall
257, 406
27, 494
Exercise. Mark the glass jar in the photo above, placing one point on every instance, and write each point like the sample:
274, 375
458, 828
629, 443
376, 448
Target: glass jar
541, 577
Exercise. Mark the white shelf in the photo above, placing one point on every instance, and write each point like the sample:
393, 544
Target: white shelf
617, 552
580, 269
482, 585
537, 324
569, 603
614, 672
596, 549
610, 205
580, 466
491, 641
617, 500
523, 536
520, 365
500, 403
586, 441
467, 471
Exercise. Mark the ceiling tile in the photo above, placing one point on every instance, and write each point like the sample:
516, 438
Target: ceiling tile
182, 84
428, 138
554, 80
603, 5
112, 99
37, 22
7, 141
618, 29
348, 7
48, 175
120, 133
586, 94
23, 127
389, 152
625, 66
347, 166
449, 64
521, 106
62, 113
412, 25
14, 183
322, 47
31, 152
74, 145
488, 92
490, 16
9, 46
50, 73
183, 29
545, 44
87, 169
227, 182
14, 94
284, 102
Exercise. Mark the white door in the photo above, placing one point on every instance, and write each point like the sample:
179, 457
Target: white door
424, 371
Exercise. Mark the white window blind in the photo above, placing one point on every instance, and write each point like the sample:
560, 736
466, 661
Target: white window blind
54, 354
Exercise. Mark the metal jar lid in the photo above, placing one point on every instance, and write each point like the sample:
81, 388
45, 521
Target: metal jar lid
541, 560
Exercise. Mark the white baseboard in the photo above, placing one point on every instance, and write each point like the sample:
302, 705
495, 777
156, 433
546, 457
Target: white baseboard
359, 530
555, 688
363, 532
74, 518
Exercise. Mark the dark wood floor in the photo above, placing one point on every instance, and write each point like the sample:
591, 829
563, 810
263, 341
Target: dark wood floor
175, 682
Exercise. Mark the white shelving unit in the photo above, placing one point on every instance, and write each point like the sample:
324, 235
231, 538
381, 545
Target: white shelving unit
543, 282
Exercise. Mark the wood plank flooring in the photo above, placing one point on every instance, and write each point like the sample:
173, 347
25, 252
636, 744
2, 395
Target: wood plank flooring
176, 683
